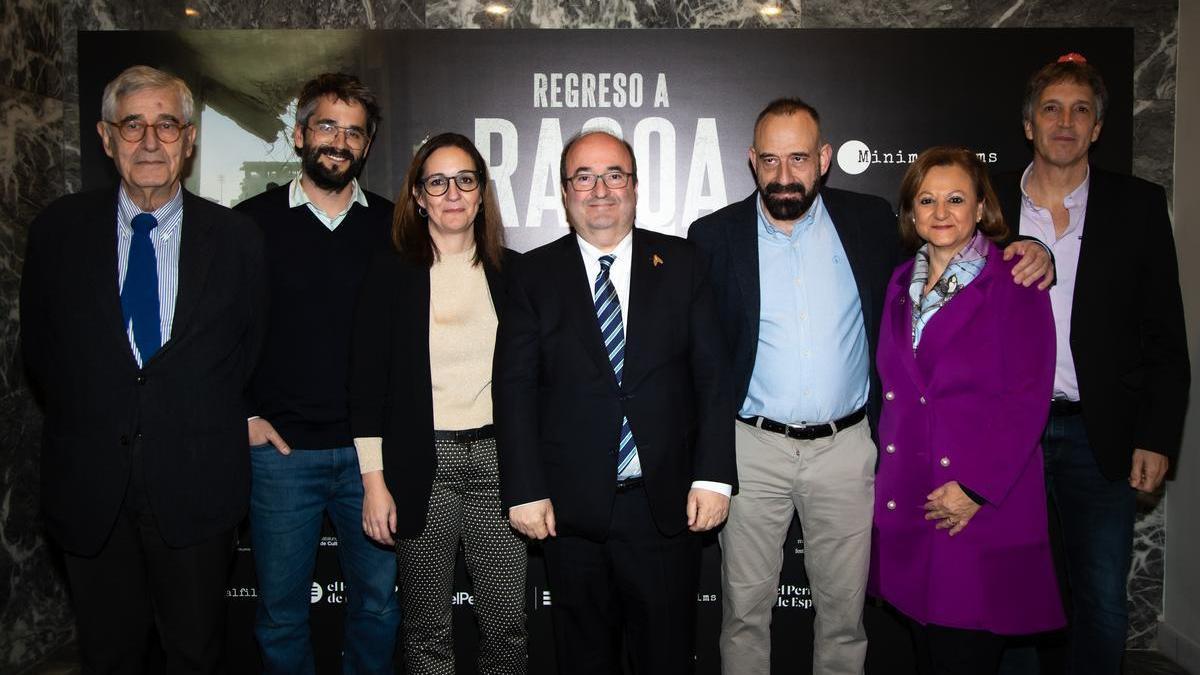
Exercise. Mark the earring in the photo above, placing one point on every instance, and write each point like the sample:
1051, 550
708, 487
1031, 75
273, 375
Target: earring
422, 212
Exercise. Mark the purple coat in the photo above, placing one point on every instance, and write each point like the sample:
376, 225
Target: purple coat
969, 406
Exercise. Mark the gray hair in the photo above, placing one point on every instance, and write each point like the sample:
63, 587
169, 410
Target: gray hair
135, 78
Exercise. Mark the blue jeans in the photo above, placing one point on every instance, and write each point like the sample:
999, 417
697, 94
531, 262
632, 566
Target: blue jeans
1095, 520
288, 496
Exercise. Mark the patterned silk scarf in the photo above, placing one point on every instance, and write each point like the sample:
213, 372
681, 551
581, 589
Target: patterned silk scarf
962, 270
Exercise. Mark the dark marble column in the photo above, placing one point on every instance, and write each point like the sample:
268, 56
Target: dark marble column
34, 616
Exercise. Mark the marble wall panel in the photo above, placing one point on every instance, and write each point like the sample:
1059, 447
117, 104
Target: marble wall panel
1146, 573
552, 14
31, 46
30, 177
35, 618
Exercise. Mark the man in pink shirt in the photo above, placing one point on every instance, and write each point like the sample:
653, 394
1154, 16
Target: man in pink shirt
1122, 374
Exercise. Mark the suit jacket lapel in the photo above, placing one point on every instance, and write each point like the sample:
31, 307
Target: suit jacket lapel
103, 276
645, 279
1100, 208
901, 328
578, 304
195, 259
743, 240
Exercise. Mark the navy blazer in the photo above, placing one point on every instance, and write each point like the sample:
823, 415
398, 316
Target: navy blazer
559, 406
867, 228
184, 411
1128, 338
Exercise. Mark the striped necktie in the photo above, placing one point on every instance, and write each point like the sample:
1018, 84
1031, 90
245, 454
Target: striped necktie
139, 294
608, 313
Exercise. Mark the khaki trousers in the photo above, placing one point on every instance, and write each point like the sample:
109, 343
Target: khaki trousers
830, 482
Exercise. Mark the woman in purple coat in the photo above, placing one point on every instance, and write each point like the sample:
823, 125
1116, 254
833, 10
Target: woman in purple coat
966, 362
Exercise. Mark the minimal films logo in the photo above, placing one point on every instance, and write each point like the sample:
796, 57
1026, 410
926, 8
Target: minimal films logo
854, 157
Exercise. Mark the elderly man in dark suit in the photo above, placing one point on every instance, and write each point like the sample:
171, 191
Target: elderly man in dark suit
611, 412
141, 314
1122, 374
800, 272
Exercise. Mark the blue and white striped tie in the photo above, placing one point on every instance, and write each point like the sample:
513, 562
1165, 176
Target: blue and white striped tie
608, 313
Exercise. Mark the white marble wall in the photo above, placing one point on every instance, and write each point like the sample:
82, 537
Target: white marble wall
39, 160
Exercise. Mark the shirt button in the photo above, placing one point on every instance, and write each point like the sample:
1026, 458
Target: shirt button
890, 395
891, 448
945, 461
799, 281
891, 505
922, 400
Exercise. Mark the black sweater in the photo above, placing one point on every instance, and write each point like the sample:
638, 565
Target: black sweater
314, 277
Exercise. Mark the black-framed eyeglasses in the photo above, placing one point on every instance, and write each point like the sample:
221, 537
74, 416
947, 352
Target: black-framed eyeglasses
356, 137
437, 184
134, 130
586, 182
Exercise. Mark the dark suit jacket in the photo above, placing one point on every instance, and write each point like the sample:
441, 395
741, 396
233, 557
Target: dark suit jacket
866, 226
185, 409
558, 404
391, 390
1127, 330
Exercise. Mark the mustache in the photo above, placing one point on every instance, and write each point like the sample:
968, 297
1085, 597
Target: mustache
779, 188
335, 153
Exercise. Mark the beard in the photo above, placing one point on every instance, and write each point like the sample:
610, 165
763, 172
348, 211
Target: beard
791, 206
327, 178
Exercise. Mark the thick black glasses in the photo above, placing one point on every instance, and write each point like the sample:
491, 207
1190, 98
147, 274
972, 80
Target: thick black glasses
437, 184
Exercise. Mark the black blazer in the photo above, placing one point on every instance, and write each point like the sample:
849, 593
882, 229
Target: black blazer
1127, 330
185, 409
867, 228
558, 404
391, 390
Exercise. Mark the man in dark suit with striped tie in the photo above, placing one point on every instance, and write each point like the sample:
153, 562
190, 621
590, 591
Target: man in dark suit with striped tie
142, 309
611, 393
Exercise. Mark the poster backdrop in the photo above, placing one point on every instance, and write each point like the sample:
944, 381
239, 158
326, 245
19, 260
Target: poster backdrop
685, 99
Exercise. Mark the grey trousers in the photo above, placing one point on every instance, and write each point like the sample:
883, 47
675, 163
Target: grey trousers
830, 482
464, 506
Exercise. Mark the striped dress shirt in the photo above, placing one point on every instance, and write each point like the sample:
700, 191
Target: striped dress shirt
166, 238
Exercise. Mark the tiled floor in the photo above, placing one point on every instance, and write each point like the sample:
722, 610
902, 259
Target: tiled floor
63, 661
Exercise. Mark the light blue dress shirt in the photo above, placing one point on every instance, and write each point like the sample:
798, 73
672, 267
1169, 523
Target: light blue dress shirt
812, 364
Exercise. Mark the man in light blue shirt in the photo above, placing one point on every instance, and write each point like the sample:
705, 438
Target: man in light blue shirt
812, 359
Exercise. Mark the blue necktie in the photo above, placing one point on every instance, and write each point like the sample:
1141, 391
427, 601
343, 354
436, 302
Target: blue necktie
139, 294
608, 313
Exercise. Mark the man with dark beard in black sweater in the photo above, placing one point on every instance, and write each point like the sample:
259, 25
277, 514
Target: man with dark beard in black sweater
319, 231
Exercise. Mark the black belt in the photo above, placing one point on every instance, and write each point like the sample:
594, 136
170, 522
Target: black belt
465, 435
630, 484
1061, 407
805, 432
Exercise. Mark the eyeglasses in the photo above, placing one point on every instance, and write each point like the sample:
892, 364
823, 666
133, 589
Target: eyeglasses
134, 130
437, 184
586, 182
356, 138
